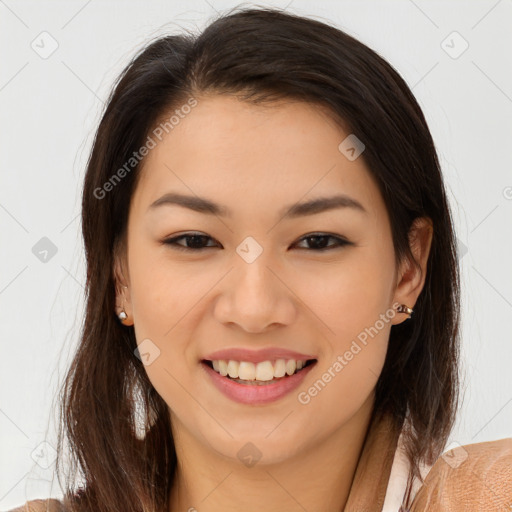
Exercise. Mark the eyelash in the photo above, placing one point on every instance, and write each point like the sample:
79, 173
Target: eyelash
172, 241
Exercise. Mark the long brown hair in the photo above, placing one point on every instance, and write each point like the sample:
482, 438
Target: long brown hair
260, 55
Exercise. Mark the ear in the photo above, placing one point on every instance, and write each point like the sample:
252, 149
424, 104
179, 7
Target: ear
122, 283
412, 274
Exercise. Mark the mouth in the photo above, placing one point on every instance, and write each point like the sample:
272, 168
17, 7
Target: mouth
281, 369
267, 384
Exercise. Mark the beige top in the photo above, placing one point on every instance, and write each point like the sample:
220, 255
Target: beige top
470, 478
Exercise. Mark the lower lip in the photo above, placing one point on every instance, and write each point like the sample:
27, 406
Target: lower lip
257, 394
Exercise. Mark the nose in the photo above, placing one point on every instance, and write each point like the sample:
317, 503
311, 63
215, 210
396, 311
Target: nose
255, 296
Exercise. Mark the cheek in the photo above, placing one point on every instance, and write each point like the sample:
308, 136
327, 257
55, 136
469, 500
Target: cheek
350, 294
158, 288
352, 303
161, 299
163, 306
353, 358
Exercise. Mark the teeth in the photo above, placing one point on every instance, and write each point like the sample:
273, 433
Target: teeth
291, 366
233, 369
280, 368
263, 371
247, 371
223, 368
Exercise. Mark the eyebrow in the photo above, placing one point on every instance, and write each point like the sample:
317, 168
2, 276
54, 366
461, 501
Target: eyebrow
205, 206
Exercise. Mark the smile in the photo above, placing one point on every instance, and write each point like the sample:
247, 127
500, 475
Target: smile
260, 383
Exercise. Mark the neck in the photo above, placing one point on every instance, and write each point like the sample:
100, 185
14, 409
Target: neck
314, 479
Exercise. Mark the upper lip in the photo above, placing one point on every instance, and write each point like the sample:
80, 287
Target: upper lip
257, 356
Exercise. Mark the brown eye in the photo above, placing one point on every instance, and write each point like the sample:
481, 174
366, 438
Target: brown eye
195, 241
319, 241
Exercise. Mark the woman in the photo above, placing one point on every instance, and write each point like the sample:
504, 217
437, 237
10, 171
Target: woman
264, 214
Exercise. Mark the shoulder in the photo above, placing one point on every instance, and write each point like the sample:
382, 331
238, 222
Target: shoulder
47, 505
469, 477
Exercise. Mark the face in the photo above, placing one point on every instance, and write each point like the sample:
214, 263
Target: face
321, 283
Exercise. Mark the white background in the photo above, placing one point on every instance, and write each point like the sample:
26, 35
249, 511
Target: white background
50, 109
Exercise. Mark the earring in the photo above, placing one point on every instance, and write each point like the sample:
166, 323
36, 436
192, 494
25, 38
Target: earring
123, 316
402, 308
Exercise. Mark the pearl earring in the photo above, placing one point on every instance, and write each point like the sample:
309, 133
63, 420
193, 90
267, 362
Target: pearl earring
123, 316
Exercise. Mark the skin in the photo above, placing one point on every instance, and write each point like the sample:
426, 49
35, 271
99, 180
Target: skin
255, 161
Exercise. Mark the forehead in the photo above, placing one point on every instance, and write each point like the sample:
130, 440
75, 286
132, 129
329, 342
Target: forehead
253, 156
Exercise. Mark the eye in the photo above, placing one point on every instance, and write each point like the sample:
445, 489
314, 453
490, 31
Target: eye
318, 241
197, 239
